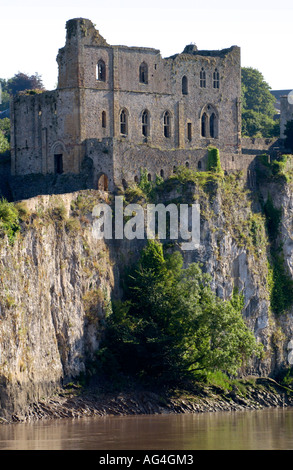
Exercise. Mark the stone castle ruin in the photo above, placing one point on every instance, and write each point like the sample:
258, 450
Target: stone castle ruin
118, 110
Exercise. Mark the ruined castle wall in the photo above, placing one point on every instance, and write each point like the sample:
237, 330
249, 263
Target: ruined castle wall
45, 124
121, 88
286, 114
74, 120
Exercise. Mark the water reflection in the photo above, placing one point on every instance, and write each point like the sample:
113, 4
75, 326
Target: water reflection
250, 430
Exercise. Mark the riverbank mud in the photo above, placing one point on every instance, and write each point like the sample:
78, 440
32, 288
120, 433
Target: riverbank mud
74, 403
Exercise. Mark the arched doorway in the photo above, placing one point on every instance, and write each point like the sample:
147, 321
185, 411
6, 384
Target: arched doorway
103, 182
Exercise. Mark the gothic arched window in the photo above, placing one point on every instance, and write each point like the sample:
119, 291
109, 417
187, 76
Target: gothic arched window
209, 122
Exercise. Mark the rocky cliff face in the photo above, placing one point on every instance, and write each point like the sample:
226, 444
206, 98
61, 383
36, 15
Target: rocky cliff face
57, 279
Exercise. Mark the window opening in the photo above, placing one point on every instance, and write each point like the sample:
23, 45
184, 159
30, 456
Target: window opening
58, 163
216, 79
189, 131
167, 124
104, 120
202, 78
212, 125
101, 71
184, 85
143, 73
145, 123
204, 125
123, 122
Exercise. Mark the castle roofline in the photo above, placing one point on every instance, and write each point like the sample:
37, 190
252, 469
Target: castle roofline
191, 50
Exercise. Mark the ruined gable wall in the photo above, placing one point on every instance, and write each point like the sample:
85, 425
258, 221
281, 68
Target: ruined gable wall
44, 124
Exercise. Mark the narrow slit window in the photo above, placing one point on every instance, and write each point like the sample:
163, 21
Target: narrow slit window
104, 119
189, 131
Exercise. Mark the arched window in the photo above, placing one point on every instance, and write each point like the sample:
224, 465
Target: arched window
167, 124
184, 85
145, 121
199, 165
209, 122
202, 78
216, 79
162, 173
143, 73
204, 122
123, 122
212, 125
101, 71
104, 119
149, 177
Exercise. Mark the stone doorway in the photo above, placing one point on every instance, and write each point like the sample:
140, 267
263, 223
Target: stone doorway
103, 182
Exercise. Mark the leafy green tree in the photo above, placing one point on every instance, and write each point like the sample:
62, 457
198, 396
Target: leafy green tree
257, 105
9, 219
171, 325
5, 128
4, 144
4, 135
5, 97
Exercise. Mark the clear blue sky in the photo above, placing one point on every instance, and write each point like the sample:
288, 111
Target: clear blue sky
31, 31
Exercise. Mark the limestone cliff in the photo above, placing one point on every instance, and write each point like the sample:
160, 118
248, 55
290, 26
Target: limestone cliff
57, 279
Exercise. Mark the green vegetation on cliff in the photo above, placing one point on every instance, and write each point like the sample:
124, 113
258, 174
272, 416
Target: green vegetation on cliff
9, 219
171, 326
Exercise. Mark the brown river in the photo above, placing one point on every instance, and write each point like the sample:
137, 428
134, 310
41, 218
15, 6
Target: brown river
269, 429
